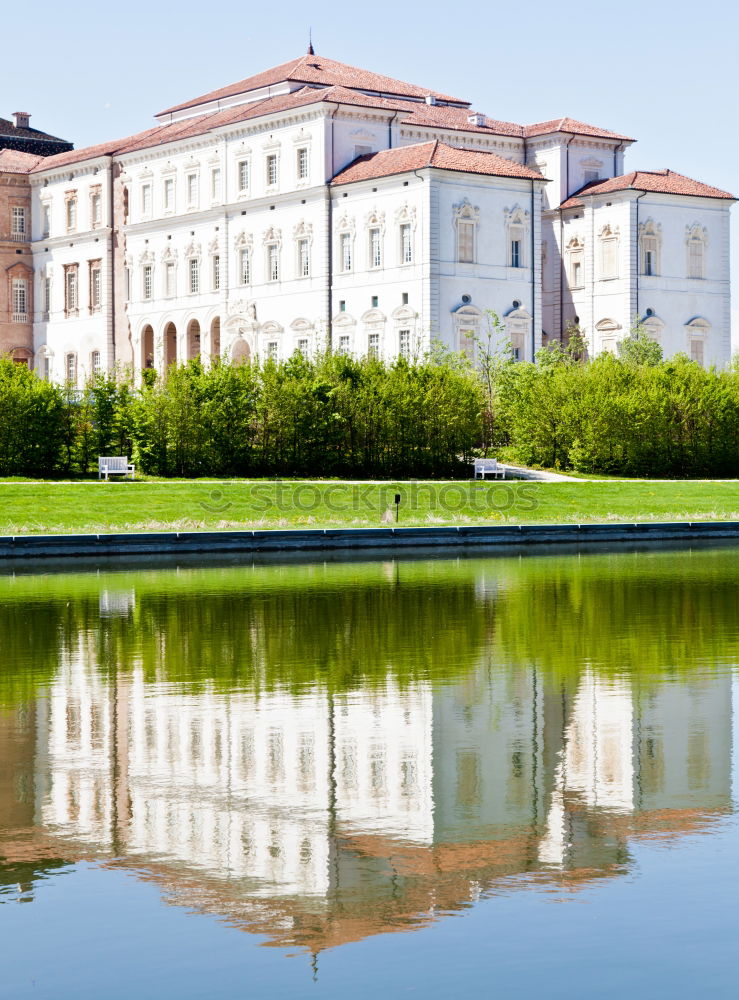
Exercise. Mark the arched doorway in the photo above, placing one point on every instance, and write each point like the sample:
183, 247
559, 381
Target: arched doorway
193, 340
170, 345
147, 347
240, 352
215, 337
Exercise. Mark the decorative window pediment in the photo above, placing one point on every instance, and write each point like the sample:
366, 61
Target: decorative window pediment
303, 231
243, 241
346, 224
404, 314
272, 327
374, 317
301, 325
169, 254
654, 327
273, 235
192, 249
213, 246
146, 257
466, 210
698, 327
406, 214
344, 320
375, 220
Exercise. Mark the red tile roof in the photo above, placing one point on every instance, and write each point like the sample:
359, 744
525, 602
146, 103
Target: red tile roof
570, 125
455, 119
316, 70
657, 181
431, 154
9, 129
13, 161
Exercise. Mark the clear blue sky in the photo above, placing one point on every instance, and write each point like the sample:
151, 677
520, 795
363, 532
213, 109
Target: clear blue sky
664, 73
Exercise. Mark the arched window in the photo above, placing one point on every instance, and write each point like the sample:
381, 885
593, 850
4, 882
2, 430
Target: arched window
697, 334
467, 320
650, 246
609, 243
696, 239
466, 218
607, 331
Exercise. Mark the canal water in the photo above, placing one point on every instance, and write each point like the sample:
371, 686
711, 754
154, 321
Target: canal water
478, 777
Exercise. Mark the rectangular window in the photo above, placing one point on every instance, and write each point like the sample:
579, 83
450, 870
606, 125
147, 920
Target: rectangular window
272, 169
466, 240
72, 369
375, 240
344, 343
406, 243
47, 295
169, 279
273, 262
576, 271
18, 222
127, 283
303, 345
47, 367
194, 271
215, 184
46, 220
148, 274
169, 194
216, 272
609, 259
516, 253
243, 176
649, 262
404, 343
302, 164
95, 286
70, 290
303, 259
245, 267
20, 300
373, 345
342, 305
696, 351
95, 363
346, 252
695, 259
146, 200
96, 209
71, 214
192, 191
272, 349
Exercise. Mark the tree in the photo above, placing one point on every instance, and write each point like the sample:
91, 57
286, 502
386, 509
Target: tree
638, 348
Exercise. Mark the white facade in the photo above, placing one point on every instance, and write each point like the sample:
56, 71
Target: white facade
224, 232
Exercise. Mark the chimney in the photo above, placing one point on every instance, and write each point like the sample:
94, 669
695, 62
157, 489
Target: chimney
475, 118
22, 118
430, 99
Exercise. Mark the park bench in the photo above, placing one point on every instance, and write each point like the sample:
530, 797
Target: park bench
115, 465
488, 467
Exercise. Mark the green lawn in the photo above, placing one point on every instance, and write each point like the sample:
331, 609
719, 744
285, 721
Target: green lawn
175, 505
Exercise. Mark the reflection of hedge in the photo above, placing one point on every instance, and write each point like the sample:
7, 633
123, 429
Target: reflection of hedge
350, 624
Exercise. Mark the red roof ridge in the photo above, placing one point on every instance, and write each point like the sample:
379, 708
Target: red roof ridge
573, 126
432, 153
664, 181
319, 70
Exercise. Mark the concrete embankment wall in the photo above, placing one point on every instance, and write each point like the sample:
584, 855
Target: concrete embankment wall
21, 547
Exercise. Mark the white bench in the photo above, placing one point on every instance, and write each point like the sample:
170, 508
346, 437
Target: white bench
488, 467
117, 465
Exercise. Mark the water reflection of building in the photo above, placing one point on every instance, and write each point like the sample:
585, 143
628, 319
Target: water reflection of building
295, 813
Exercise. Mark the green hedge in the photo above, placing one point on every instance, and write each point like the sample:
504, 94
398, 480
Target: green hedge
364, 418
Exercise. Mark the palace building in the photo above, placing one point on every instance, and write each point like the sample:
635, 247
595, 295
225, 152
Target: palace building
318, 204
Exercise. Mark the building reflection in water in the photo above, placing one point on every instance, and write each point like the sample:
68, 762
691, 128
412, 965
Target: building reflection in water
319, 818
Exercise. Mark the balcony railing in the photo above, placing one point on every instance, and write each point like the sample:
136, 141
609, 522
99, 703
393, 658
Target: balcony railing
19, 317
19, 237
